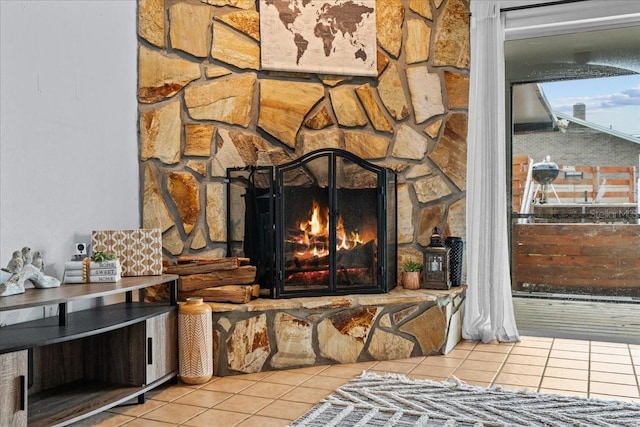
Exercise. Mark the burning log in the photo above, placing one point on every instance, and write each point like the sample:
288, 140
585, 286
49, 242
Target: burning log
354, 267
362, 255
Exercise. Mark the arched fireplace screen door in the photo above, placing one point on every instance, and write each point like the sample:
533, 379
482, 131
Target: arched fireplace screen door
324, 224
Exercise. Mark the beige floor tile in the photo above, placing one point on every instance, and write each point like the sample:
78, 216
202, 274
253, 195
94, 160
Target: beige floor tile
442, 361
571, 346
229, 385
342, 371
411, 360
611, 367
514, 368
563, 392
361, 365
306, 395
426, 377
266, 389
532, 381
434, 370
324, 382
288, 378
473, 375
568, 363
479, 365
530, 351
611, 358
217, 418
527, 360
135, 410
573, 374
537, 342
610, 377
618, 398
204, 398
260, 421
457, 354
568, 354
494, 347
212, 380
141, 422
309, 370
621, 351
104, 419
570, 341
256, 376
565, 384
466, 345
243, 404
285, 409
168, 393
609, 344
174, 413
393, 367
487, 356
614, 389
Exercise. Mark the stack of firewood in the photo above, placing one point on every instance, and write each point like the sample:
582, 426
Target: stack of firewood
215, 279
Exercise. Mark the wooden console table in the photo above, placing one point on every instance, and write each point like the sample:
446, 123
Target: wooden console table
59, 370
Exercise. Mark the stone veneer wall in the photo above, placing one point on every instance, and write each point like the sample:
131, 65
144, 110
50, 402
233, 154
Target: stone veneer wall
205, 105
266, 335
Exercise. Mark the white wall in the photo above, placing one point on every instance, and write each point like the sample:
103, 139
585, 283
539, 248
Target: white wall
68, 122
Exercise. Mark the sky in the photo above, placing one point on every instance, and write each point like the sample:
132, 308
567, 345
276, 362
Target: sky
612, 102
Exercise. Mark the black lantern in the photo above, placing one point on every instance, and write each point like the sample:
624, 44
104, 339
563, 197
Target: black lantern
436, 263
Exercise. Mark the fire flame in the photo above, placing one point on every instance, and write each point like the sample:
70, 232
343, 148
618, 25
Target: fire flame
314, 234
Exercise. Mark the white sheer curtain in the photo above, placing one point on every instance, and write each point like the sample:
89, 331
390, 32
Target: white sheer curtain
488, 309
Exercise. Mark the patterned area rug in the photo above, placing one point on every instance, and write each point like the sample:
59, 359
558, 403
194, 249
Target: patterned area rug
395, 400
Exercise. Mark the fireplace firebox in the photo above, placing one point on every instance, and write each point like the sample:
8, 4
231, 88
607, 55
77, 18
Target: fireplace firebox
323, 224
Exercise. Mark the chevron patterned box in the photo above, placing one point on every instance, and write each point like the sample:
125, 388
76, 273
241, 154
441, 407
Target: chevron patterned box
139, 251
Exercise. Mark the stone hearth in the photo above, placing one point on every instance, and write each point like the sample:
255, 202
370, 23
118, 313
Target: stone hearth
267, 334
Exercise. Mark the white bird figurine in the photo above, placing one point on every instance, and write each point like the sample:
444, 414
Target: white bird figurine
27, 257
15, 263
38, 261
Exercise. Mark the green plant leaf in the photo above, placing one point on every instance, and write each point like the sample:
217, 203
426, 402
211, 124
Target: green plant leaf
412, 266
101, 256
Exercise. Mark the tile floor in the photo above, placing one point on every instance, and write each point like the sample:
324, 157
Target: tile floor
550, 365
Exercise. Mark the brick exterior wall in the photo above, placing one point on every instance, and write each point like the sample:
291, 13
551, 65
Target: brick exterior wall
578, 146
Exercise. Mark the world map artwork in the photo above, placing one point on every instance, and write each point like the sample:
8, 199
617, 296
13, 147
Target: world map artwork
322, 36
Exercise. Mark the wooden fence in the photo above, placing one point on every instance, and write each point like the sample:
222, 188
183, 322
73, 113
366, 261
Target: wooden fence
577, 184
584, 256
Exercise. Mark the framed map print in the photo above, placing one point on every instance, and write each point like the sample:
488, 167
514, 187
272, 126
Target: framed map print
319, 36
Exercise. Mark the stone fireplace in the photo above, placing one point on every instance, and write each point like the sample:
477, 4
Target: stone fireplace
206, 106
324, 224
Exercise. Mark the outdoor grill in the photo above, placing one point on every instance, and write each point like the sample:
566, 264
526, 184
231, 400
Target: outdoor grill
544, 172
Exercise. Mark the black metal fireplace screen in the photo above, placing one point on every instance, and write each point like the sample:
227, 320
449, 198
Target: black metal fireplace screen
324, 224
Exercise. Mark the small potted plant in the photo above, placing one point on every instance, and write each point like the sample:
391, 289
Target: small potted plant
411, 275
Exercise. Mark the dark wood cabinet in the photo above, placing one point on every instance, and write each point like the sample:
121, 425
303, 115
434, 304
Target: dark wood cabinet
59, 370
